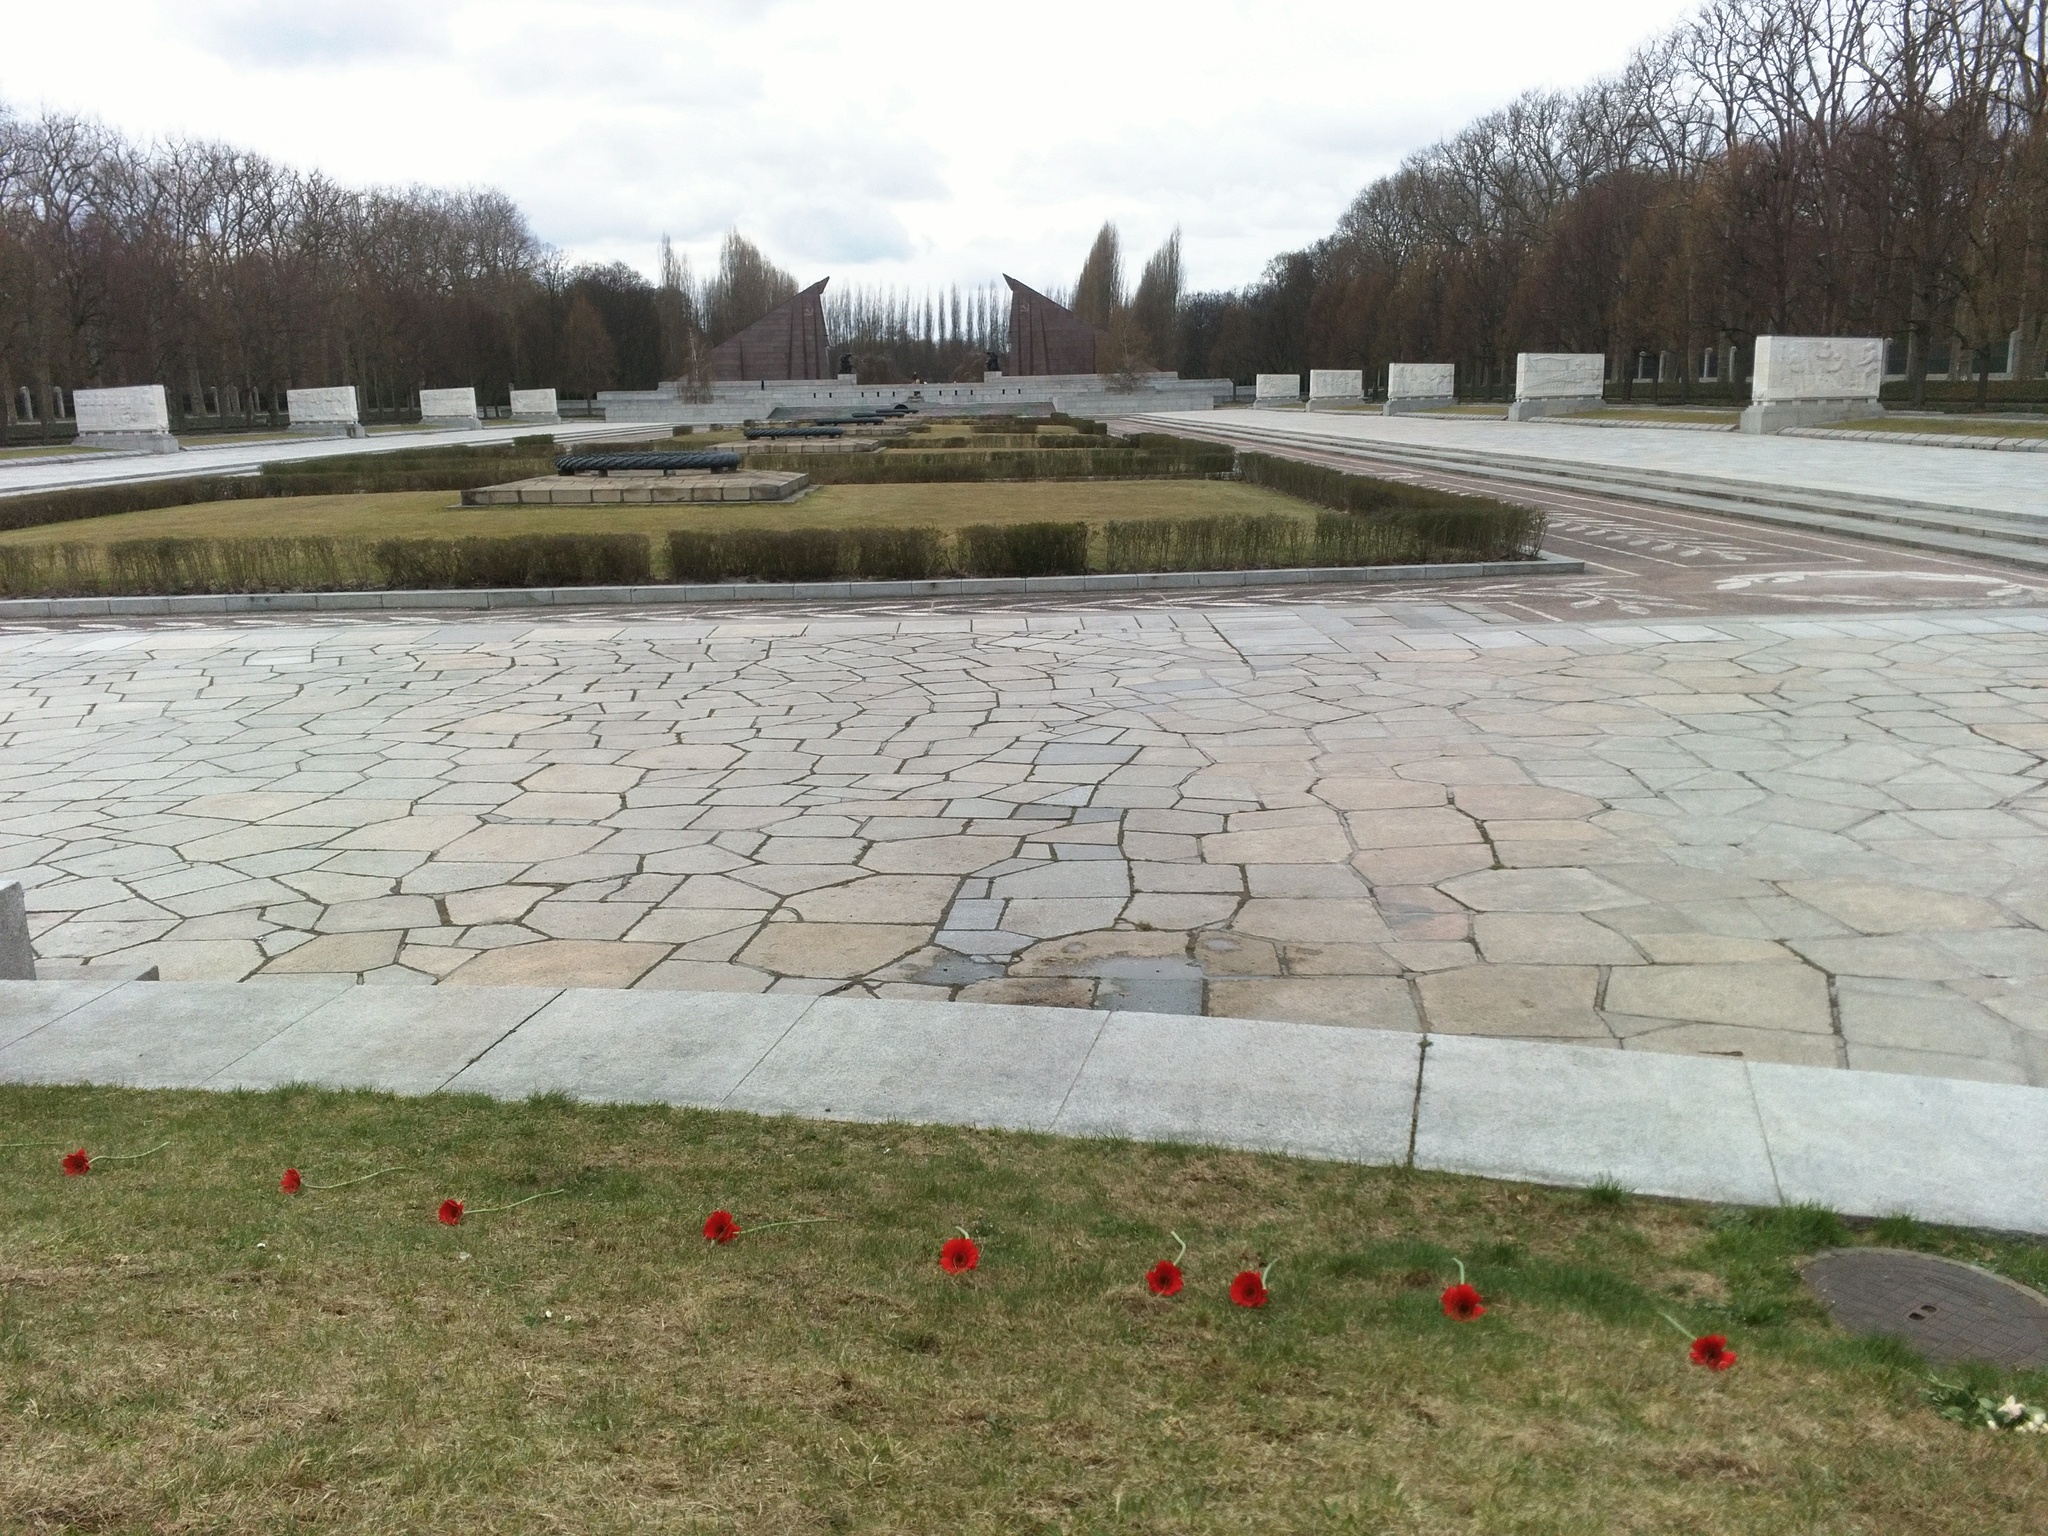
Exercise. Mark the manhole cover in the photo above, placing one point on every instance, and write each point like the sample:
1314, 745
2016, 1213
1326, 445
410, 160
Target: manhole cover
1945, 1310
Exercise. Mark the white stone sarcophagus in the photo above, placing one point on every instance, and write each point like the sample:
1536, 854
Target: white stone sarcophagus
1335, 386
535, 405
136, 417
1557, 384
1420, 387
1276, 389
326, 412
1806, 381
449, 408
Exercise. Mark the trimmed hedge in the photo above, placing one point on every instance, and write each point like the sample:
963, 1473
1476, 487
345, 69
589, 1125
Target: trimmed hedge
807, 554
1434, 525
1022, 549
523, 560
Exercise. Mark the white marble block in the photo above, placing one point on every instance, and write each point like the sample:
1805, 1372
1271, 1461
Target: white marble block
1336, 386
1275, 389
449, 408
329, 412
535, 405
135, 417
1805, 381
1420, 387
1557, 384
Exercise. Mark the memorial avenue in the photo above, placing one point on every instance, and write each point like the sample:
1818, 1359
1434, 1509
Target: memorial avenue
1310, 797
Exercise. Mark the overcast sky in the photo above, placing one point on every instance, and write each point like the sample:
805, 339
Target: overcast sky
868, 140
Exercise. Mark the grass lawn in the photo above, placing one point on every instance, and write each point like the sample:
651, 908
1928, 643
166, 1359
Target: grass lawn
1713, 415
1963, 426
183, 1347
44, 451
437, 514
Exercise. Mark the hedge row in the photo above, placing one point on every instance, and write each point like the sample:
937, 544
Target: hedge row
901, 467
1441, 524
879, 554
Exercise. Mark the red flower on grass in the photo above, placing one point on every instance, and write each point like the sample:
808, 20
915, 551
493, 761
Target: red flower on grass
291, 1183
1711, 1350
450, 1213
1163, 1278
1249, 1288
719, 1227
959, 1254
76, 1163
1463, 1302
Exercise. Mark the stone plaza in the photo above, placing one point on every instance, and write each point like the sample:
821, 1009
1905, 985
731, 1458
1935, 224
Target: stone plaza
1812, 839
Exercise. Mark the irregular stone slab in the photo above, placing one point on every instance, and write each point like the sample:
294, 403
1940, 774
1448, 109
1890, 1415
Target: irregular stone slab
1537, 890
1758, 996
634, 1047
567, 962
1543, 1000
931, 1063
1658, 1125
830, 949
1549, 938
1944, 1310
343, 954
1324, 1092
151, 1035
1869, 907
1367, 1002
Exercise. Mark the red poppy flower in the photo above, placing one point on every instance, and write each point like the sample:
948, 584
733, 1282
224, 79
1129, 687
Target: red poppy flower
76, 1163
1163, 1278
1462, 1302
1249, 1289
1712, 1351
958, 1255
291, 1181
719, 1227
450, 1213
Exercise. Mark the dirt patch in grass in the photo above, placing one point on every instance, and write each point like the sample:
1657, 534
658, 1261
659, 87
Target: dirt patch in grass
183, 1347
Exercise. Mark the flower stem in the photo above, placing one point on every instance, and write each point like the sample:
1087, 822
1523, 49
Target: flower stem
362, 1178
1683, 1331
1461, 1270
487, 1210
129, 1157
794, 1221
1183, 1248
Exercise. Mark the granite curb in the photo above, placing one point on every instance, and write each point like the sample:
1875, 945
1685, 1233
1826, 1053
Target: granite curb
236, 603
1699, 1128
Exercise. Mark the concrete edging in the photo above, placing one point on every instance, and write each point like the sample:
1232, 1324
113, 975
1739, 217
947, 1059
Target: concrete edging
765, 592
1690, 1127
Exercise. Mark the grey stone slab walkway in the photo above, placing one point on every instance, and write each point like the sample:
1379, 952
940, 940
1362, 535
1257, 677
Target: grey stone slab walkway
2010, 485
1865, 1144
1813, 840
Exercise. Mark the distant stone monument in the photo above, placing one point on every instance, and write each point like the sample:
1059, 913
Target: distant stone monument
1808, 381
847, 372
329, 412
1273, 391
137, 418
1335, 386
786, 343
1420, 387
1557, 384
535, 407
449, 408
1049, 338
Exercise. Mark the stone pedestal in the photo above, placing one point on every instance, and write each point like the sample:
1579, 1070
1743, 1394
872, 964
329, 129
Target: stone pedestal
1413, 387
537, 407
1276, 391
323, 412
1557, 384
1335, 386
1809, 381
17, 959
137, 418
449, 409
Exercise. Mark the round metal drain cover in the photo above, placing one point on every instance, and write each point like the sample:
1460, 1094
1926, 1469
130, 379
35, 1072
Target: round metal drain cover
1945, 1310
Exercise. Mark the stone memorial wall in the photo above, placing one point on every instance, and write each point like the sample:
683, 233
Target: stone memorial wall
1420, 387
1557, 384
535, 405
137, 416
1806, 381
449, 408
329, 412
1277, 389
1335, 386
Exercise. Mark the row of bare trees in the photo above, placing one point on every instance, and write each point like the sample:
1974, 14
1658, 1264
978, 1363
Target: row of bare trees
1867, 167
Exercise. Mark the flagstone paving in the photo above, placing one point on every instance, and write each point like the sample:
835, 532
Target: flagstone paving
1805, 840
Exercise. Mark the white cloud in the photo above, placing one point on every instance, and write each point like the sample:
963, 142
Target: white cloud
906, 142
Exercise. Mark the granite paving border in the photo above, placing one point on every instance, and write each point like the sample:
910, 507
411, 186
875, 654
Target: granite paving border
1864, 1144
